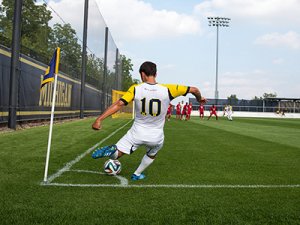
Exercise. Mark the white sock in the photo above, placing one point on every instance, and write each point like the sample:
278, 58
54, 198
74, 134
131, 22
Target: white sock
146, 161
115, 155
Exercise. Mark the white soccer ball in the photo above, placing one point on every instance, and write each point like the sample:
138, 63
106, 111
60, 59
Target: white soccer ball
112, 167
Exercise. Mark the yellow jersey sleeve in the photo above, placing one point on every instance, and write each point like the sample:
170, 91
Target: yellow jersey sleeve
129, 95
176, 90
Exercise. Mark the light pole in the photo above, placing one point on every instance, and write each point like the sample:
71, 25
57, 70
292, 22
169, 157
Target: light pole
218, 22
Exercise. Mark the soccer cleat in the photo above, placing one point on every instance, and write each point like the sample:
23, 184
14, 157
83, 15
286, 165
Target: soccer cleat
136, 177
104, 151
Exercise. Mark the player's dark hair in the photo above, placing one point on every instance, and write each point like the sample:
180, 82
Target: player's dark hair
149, 68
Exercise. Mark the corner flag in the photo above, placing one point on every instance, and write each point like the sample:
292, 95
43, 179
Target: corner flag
52, 68
50, 75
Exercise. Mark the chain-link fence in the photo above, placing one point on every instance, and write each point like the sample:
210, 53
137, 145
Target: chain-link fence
46, 25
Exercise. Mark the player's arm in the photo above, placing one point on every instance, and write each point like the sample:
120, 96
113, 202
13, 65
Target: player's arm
181, 90
115, 107
196, 92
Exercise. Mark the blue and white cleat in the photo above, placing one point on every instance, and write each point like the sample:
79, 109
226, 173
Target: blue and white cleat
105, 151
136, 177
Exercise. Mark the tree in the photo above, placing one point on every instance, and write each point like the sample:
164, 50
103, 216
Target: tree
64, 36
127, 67
94, 70
232, 99
270, 95
256, 101
257, 98
35, 31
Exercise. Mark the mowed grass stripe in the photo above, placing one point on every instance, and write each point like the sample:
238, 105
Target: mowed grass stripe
281, 131
209, 155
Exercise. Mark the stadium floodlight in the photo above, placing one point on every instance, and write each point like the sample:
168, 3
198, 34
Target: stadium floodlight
218, 22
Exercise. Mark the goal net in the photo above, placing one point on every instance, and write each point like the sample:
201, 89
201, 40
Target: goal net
126, 111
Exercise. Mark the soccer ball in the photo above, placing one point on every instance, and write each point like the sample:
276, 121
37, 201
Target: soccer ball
112, 167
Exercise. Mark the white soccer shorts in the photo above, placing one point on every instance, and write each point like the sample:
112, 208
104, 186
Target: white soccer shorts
129, 143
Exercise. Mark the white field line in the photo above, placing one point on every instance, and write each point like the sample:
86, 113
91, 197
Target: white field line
200, 186
122, 180
78, 158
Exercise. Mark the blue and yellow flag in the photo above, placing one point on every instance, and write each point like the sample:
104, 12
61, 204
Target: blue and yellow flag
52, 68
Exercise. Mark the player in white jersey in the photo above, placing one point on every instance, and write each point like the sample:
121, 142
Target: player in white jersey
228, 111
151, 102
182, 104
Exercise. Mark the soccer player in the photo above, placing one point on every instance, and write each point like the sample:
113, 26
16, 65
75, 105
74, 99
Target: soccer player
178, 111
182, 104
201, 111
229, 112
169, 112
225, 110
151, 103
184, 112
189, 111
213, 111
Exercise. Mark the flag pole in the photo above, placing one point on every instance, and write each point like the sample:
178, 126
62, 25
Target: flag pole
56, 65
50, 130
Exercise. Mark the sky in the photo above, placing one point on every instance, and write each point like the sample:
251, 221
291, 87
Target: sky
259, 53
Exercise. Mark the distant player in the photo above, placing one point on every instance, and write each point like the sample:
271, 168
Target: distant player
189, 111
213, 111
201, 111
229, 113
151, 104
178, 111
169, 112
184, 112
225, 110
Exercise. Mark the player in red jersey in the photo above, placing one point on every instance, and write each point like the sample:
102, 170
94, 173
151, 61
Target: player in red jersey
189, 111
169, 111
184, 112
201, 111
178, 111
213, 111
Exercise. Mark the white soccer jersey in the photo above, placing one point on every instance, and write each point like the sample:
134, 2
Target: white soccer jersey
181, 107
226, 109
151, 103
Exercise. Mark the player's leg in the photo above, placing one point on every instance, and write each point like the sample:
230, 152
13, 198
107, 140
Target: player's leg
146, 161
230, 116
169, 116
124, 145
105, 151
209, 116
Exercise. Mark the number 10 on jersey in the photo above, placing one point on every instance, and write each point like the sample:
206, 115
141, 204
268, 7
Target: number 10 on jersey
154, 108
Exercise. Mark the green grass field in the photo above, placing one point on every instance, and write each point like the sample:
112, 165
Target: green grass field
209, 172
